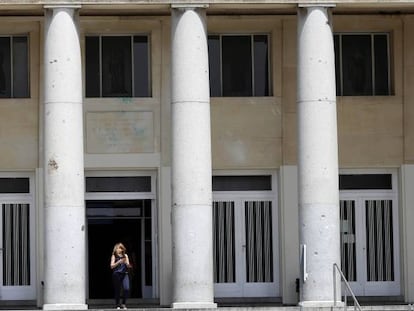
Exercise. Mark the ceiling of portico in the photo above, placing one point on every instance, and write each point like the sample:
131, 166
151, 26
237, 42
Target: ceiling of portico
215, 7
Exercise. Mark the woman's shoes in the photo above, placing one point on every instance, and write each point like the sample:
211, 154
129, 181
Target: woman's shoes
121, 307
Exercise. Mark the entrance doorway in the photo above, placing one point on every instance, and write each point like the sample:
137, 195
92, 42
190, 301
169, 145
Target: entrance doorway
110, 222
17, 239
244, 247
121, 209
369, 245
369, 234
245, 244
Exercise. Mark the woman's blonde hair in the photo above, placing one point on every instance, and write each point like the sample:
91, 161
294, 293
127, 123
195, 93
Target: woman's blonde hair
121, 246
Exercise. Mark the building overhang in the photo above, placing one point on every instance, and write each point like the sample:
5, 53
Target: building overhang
215, 7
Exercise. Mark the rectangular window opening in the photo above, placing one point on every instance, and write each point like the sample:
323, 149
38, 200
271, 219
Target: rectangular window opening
242, 183
14, 185
365, 181
362, 64
239, 65
117, 66
118, 184
14, 67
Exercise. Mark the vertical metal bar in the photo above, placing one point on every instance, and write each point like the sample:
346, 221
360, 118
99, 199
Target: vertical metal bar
132, 67
352, 256
214, 207
142, 220
342, 206
334, 283
149, 64
389, 64
305, 274
231, 242
269, 67
380, 241
100, 66
268, 242
5, 246
11, 68
346, 300
258, 254
252, 47
373, 63
221, 238
341, 73
221, 63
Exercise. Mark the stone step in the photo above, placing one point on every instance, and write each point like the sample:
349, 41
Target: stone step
402, 307
282, 308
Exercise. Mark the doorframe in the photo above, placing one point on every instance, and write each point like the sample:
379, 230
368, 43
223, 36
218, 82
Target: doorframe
360, 196
223, 290
115, 196
22, 292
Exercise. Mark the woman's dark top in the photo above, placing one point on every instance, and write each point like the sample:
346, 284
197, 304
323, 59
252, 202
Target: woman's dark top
122, 268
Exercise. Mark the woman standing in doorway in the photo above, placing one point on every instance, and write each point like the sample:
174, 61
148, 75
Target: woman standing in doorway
119, 265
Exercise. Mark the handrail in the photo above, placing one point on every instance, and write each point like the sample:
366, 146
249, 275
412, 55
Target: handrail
356, 303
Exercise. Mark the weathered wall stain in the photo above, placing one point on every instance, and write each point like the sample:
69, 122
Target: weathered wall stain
120, 132
52, 164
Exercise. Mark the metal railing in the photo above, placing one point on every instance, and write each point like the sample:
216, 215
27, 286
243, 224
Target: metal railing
356, 303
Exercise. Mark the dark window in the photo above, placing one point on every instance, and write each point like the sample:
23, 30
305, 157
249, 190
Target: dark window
117, 66
239, 65
14, 185
365, 181
14, 67
362, 64
118, 184
242, 183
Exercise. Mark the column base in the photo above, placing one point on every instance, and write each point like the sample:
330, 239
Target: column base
65, 306
194, 305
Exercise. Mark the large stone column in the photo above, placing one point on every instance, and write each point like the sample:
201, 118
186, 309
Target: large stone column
317, 157
64, 264
192, 252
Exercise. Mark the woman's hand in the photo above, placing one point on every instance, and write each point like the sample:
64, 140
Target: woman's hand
126, 258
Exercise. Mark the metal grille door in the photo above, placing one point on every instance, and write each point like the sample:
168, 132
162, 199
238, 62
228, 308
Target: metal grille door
369, 244
243, 247
379, 240
259, 251
16, 246
223, 242
348, 246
